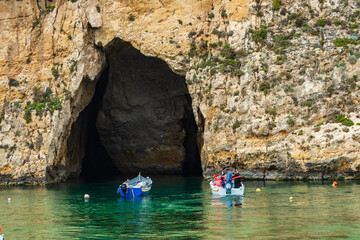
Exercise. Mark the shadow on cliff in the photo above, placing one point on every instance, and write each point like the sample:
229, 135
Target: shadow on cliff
140, 119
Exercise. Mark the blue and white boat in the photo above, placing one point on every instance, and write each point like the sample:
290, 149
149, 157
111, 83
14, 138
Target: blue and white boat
227, 190
136, 187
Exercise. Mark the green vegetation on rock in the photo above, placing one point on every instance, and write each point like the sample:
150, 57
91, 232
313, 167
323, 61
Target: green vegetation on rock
343, 42
13, 82
345, 121
43, 102
50, 8
131, 18
260, 34
319, 124
276, 5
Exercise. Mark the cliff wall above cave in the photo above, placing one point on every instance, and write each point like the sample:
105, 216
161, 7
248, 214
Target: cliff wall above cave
273, 84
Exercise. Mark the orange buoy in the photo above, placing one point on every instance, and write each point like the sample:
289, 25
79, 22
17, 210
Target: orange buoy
334, 184
41, 185
0, 228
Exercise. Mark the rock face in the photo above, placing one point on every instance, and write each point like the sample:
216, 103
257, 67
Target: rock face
273, 85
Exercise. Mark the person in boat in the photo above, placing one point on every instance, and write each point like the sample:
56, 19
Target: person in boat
237, 179
217, 180
223, 178
228, 176
228, 184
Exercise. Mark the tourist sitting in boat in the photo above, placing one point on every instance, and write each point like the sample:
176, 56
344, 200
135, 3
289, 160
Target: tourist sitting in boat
237, 179
217, 180
223, 180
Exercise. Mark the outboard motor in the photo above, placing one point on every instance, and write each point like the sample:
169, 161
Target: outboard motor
123, 188
228, 188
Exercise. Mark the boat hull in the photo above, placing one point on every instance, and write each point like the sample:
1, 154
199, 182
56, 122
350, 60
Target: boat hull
132, 192
220, 191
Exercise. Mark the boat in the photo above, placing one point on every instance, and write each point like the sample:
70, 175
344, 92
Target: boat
1, 235
136, 187
227, 190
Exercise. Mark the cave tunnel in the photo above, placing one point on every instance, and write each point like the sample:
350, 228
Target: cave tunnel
140, 119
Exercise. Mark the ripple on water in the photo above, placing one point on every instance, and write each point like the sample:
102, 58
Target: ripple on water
182, 208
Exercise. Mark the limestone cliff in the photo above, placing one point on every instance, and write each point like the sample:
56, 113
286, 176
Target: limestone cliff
273, 83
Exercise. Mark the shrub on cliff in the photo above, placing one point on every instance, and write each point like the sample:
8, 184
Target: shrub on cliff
55, 72
264, 87
321, 22
290, 121
192, 51
282, 42
27, 115
131, 18
42, 102
36, 22
13, 83
345, 121
236, 125
343, 42
271, 111
276, 5
73, 66
223, 13
50, 8
319, 124
259, 35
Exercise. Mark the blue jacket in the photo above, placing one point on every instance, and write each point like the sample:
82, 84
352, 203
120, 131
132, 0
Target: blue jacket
229, 177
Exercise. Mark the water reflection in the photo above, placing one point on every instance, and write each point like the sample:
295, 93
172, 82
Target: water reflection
229, 201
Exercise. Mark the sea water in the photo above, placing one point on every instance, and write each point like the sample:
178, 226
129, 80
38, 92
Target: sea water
182, 208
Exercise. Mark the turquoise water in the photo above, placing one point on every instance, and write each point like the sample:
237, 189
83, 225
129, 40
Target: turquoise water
182, 208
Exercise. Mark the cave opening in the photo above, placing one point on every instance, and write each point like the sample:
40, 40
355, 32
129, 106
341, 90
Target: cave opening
140, 119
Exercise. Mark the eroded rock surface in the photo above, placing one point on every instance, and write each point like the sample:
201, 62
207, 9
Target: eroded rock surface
273, 84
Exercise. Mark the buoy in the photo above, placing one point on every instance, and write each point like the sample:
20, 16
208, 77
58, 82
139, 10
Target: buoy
41, 185
334, 184
291, 198
258, 189
0, 228
86, 196
9, 199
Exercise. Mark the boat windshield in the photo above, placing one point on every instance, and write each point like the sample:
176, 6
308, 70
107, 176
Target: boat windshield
138, 179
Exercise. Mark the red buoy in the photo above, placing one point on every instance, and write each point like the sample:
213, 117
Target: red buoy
334, 184
41, 185
0, 228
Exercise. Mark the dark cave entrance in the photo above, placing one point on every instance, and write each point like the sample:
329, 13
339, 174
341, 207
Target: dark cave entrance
140, 119
96, 162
